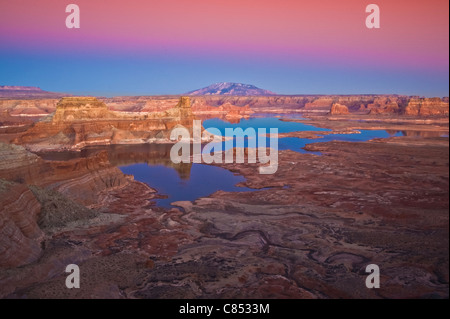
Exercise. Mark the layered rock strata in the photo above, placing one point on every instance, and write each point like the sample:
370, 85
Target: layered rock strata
79, 122
20, 235
339, 109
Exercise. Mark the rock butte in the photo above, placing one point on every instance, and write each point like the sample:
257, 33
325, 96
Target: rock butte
82, 121
337, 108
244, 105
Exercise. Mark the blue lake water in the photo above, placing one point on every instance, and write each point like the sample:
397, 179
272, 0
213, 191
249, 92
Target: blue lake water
263, 122
192, 181
293, 143
203, 180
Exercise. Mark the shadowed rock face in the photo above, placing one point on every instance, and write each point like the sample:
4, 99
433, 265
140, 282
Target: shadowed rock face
152, 154
60, 193
20, 235
19, 165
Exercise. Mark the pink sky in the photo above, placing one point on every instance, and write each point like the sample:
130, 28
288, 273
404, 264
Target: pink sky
412, 34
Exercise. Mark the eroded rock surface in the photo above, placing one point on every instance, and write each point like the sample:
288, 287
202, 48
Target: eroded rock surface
82, 121
339, 109
307, 231
20, 235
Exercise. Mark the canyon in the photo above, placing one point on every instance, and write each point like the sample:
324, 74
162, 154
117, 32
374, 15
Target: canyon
16, 110
307, 231
81, 121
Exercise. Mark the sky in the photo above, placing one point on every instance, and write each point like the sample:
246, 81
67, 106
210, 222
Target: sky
147, 47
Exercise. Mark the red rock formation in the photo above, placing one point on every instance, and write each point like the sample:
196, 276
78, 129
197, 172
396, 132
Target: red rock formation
83, 179
83, 121
71, 109
28, 108
19, 165
20, 236
320, 103
427, 106
201, 107
80, 179
339, 109
383, 105
141, 104
25, 111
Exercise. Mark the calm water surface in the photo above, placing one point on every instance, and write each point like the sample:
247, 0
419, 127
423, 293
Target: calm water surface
151, 164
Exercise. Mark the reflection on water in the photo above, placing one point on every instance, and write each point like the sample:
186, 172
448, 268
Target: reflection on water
151, 163
203, 181
123, 155
294, 143
150, 154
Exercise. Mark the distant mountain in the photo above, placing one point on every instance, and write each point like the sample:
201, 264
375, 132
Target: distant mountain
228, 88
9, 91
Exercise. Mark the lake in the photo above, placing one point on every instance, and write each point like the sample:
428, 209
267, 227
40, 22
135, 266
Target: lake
151, 164
203, 180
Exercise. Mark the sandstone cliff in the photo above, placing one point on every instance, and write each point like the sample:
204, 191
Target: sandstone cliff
20, 236
339, 109
83, 179
71, 109
201, 106
19, 165
76, 178
427, 106
320, 103
60, 192
29, 108
388, 105
82, 121
27, 111
20, 112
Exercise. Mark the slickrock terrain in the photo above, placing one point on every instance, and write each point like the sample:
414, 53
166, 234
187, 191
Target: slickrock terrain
326, 217
48, 225
20, 236
307, 231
